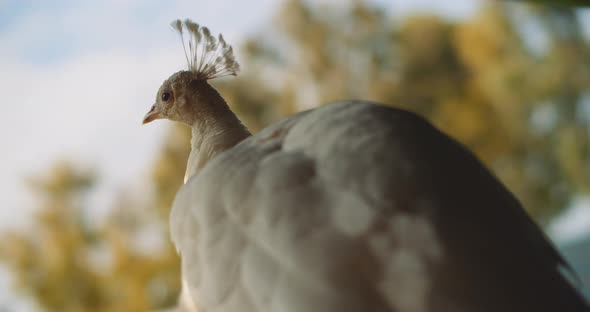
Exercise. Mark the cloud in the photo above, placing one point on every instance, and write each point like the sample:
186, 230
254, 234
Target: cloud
89, 108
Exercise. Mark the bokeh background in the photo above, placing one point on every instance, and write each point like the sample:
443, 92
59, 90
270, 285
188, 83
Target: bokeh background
86, 190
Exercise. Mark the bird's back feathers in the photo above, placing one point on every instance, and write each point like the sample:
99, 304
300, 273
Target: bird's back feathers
360, 207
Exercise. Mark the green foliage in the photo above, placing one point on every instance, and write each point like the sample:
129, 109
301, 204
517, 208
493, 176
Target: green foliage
520, 109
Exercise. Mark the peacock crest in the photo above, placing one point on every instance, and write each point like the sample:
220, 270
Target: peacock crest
208, 57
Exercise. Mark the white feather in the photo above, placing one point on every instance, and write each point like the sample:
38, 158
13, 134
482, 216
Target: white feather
358, 207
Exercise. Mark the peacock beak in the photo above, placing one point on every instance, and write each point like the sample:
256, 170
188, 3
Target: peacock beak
152, 115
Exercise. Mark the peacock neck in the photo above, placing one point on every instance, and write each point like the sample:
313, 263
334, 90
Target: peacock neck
212, 136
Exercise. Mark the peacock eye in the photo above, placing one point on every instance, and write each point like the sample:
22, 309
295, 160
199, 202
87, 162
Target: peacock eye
166, 96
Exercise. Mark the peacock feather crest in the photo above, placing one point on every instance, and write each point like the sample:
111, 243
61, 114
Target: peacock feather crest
208, 57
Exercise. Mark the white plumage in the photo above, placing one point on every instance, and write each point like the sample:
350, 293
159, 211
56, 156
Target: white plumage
349, 207
358, 207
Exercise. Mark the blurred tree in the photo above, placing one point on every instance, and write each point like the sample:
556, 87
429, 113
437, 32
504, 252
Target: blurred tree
50, 261
69, 263
523, 109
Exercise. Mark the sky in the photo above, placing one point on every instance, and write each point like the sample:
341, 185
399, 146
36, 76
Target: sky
76, 78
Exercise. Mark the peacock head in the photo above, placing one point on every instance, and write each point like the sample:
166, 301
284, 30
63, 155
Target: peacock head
186, 95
